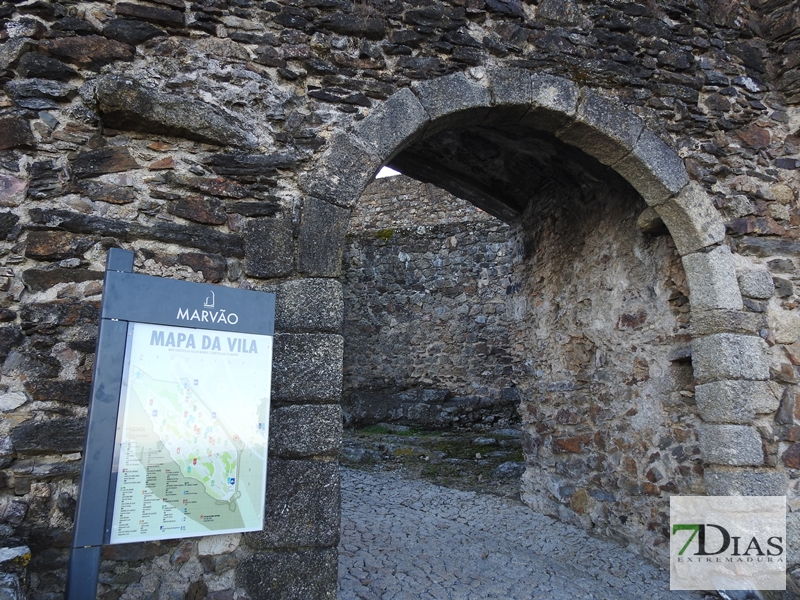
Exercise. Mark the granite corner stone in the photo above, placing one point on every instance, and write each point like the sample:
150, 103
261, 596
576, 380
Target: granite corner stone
731, 445
712, 280
307, 368
724, 356
323, 228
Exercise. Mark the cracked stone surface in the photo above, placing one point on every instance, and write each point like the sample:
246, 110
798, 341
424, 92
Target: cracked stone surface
404, 539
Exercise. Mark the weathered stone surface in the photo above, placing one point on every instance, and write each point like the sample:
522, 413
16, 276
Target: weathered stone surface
37, 65
756, 283
38, 280
200, 209
268, 247
91, 51
10, 336
342, 173
71, 392
307, 367
100, 162
250, 168
712, 280
305, 430
290, 575
266, 208
721, 481
7, 222
131, 31
394, 124
11, 401
309, 305
214, 186
653, 168
727, 321
730, 401
214, 545
23, 89
56, 245
45, 180
452, 100
554, 102
356, 25
62, 434
161, 16
321, 240
105, 192
12, 49
212, 266
560, 12
692, 220
302, 505
12, 190
511, 87
764, 247
126, 104
193, 236
15, 132
602, 129
733, 445
729, 356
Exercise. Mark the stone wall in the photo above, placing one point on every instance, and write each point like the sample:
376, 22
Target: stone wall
427, 327
571, 316
227, 140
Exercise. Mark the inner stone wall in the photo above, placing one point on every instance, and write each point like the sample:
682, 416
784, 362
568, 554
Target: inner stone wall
572, 318
428, 325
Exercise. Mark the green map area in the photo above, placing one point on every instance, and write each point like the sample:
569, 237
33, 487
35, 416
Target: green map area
191, 434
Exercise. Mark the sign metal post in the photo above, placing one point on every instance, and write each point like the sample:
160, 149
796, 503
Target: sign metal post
178, 418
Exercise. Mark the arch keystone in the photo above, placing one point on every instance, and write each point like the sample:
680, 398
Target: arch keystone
453, 101
654, 169
692, 219
602, 129
511, 93
554, 102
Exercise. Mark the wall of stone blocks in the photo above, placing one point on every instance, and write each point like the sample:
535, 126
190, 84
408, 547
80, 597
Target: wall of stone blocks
428, 284
226, 141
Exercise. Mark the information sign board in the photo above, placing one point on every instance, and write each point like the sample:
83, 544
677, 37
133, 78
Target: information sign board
190, 456
177, 435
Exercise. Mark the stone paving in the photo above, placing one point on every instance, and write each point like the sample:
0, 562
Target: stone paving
411, 540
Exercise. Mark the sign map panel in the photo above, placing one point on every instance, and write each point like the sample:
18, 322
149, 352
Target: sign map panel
192, 432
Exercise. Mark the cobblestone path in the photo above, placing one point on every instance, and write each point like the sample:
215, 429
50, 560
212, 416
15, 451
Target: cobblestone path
411, 540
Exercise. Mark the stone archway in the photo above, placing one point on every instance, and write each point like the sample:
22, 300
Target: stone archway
729, 362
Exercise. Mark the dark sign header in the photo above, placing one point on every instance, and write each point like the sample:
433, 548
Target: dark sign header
147, 299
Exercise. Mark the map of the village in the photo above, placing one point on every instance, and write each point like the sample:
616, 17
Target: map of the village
192, 433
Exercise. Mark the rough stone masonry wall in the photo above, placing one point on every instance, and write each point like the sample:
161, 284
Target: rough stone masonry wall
580, 324
195, 134
428, 342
